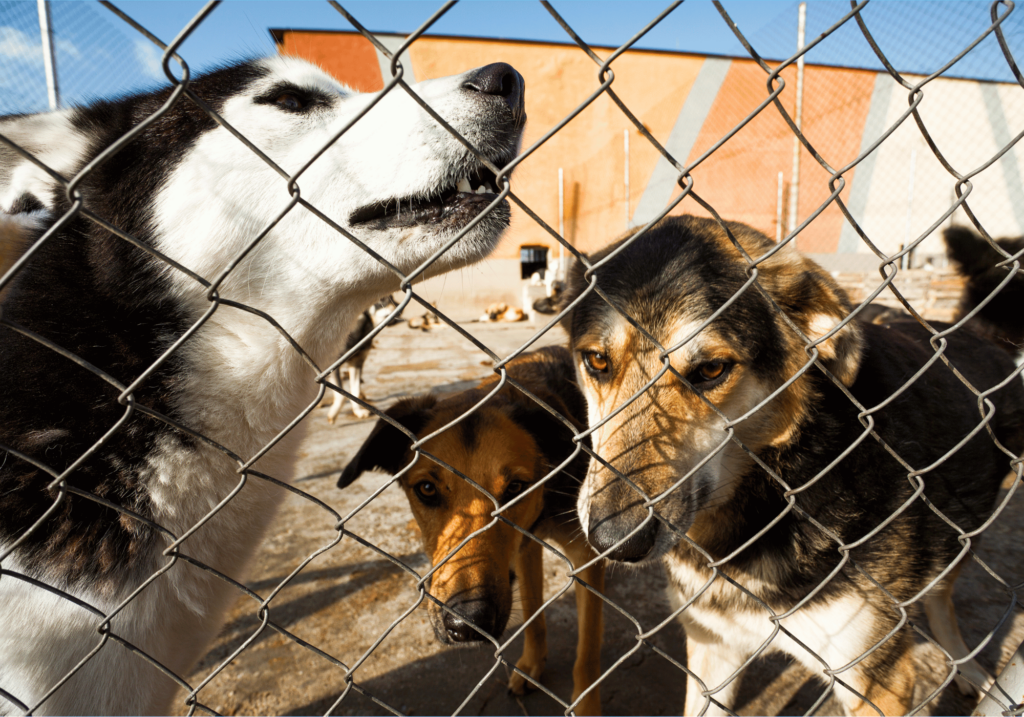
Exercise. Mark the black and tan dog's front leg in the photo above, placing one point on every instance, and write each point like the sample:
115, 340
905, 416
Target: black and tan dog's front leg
530, 569
590, 617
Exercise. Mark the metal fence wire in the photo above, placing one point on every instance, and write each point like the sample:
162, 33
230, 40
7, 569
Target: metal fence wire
346, 675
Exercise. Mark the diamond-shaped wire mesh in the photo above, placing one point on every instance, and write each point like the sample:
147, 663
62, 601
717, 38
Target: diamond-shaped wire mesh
279, 614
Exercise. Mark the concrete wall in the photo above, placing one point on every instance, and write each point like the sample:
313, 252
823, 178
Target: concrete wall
933, 294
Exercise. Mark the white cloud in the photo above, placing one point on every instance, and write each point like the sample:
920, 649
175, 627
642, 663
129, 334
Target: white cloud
66, 47
16, 45
22, 47
150, 58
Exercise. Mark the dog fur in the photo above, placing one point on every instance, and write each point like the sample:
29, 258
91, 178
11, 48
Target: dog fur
506, 446
189, 189
976, 260
699, 498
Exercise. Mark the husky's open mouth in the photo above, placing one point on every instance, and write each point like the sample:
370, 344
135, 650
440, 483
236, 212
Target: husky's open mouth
456, 204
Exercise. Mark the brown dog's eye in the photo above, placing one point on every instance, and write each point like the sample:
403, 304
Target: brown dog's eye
426, 492
514, 488
596, 361
290, 102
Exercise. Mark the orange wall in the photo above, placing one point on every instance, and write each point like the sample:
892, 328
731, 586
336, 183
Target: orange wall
349, 57
740, 179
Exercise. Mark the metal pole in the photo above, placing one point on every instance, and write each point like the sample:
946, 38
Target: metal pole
1008, 690
778, 211
625, 146
561, 222
794, 186
905, 261
49, 58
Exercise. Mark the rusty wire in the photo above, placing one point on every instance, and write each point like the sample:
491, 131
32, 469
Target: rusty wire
62, 482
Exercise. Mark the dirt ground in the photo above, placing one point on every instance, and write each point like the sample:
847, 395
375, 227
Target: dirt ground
346, 601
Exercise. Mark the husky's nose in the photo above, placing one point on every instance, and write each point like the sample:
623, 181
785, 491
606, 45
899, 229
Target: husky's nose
482, 613
501, 80
604, 533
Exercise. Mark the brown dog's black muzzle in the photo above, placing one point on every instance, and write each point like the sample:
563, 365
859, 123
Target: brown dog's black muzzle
481, 612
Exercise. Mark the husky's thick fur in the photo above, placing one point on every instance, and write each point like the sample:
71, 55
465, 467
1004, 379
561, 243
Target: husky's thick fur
716, 504
188, 188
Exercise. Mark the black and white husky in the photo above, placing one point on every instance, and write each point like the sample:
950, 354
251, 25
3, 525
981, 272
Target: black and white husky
189, 189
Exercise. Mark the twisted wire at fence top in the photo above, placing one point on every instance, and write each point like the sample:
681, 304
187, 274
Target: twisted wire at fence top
63, 482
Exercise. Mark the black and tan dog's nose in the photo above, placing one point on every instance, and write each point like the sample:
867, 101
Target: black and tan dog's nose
501, 80
612, 532
481, 613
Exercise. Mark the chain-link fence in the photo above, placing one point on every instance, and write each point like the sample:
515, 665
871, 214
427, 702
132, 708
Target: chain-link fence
83, 555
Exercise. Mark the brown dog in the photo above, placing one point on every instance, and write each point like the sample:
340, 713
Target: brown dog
506, 447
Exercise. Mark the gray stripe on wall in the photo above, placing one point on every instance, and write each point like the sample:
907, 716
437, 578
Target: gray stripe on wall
691, 118
1008, 162
874, 126
393, 42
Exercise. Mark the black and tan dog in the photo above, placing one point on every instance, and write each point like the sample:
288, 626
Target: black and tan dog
727, 377
506, 446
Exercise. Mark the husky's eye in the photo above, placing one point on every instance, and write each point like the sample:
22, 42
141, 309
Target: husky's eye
596, 361
290, 101
426, 492
300, 100
710, 374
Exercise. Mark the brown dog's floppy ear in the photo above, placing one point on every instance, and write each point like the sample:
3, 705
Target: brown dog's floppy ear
386, 447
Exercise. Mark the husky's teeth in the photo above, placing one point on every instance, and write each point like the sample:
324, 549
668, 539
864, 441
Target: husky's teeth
482, 189
463, 185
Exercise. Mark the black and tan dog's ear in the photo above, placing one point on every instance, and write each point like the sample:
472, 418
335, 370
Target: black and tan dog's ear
841, 353
386, 448
816, 303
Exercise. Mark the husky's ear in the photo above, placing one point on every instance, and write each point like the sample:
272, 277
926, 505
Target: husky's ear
386, 447
816, 303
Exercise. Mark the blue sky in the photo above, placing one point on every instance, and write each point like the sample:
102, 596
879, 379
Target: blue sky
99, 55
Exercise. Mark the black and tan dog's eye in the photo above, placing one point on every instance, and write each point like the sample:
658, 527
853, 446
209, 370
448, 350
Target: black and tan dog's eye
711, 373
596, 361
426, 492
290, 101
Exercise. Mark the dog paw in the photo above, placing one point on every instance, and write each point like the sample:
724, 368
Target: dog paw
357, 410
519, 685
